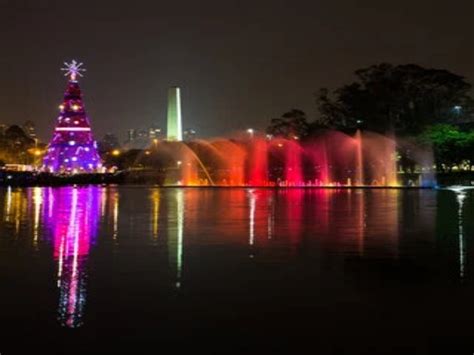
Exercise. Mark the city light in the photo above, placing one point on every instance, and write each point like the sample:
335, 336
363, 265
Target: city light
457, 109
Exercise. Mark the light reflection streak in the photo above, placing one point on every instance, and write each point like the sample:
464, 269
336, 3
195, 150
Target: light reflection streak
103, 202
74, 224
270, 217
252, 204
50, 199
115, 215
37, 203
8, 205
15, 208
176, 233
155, 215
179, 256
361, 222
460, 196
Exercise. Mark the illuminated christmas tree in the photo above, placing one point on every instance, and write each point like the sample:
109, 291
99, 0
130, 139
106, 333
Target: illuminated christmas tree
73, 148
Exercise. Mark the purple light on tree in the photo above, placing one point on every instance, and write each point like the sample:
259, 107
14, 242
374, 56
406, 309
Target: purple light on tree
73, 148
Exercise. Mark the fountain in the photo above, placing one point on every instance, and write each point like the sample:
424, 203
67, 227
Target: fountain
330, 159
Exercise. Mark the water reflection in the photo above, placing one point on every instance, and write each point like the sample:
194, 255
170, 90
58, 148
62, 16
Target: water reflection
252, 203
179, 232
73, 221
37, 203
270, 216
155, 213
460, 197
175, 229
462, 252
115, 213
15, 208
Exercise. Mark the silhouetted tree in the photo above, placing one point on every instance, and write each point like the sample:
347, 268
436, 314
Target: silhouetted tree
14, 146
403, 98
291, 124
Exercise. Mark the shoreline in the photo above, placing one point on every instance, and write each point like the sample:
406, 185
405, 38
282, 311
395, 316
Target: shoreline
33, 179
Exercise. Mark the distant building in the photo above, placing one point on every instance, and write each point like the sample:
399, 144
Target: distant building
189, 134
109, 142
142, 134
30, 129
154, 133
17, 138
3, 128
131, 135
138, 138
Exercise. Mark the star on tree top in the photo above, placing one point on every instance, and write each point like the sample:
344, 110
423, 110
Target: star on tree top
73, 69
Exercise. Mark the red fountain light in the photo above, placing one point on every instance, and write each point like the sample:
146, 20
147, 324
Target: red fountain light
331, 159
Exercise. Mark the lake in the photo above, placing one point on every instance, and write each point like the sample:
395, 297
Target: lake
234, 270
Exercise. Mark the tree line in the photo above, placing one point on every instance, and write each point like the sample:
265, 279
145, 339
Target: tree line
430, 106
16, 146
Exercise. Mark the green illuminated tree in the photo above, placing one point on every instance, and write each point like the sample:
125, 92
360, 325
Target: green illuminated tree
450, 145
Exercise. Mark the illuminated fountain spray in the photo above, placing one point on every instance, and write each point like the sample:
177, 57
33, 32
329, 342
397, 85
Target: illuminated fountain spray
257, 162
293, 174
359, 168
379, 159
232, 157
319, 162
331, 159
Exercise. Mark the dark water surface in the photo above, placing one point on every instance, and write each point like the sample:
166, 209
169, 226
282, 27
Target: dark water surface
122, 269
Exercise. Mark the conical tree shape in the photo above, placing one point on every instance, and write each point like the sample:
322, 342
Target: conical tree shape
73, 148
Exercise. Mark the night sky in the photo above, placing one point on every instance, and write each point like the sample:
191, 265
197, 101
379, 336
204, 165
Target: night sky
239, 63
